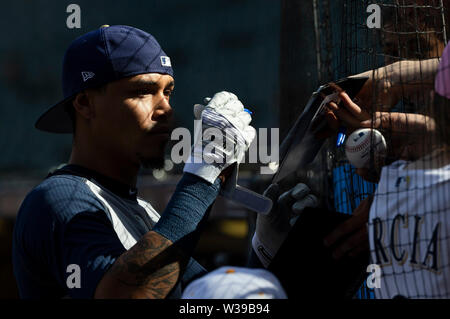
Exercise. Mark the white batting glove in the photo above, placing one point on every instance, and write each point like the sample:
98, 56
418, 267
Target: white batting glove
222, 139
272, 229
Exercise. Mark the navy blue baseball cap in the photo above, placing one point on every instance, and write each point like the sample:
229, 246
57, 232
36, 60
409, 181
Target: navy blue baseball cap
98, 57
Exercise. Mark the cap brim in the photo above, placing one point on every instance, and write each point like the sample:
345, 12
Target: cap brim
56, 119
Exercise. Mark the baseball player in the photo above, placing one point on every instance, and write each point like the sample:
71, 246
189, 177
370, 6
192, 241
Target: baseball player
85, 219
407, 222
83, 232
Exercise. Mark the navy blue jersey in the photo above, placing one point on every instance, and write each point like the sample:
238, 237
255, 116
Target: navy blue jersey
78, 217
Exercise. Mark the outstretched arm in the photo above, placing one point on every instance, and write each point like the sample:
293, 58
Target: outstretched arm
404, 129
388, 84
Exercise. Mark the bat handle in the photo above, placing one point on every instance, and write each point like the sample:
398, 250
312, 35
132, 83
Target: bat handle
250, 199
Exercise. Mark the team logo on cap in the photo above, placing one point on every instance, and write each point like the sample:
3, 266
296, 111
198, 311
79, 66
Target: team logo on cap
165, 61
87, 75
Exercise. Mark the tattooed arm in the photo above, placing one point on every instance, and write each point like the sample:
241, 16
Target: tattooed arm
150, 269
153, 266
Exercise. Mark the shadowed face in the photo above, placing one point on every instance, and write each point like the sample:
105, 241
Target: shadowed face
132, 118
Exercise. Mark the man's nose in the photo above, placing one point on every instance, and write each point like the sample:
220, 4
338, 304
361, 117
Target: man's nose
163, 110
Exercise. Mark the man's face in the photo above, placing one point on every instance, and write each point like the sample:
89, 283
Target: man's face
133, 118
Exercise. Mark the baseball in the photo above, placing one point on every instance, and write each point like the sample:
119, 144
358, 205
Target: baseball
359, 145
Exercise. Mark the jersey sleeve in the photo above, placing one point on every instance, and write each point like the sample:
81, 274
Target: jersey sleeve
89, 247
62, 232
64, 242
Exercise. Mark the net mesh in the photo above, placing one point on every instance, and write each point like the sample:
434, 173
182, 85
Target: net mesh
408, 222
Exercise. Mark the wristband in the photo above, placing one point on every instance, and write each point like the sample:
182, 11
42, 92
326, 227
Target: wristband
192, 199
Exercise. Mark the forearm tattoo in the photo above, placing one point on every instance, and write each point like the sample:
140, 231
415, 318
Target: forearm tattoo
151, 266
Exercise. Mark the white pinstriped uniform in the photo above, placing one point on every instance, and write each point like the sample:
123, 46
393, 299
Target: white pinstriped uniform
409, 232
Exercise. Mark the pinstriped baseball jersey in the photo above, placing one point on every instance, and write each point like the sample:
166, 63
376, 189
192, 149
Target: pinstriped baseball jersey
77, 217
409, 229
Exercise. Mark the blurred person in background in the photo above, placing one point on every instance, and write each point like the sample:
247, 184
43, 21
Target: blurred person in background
398, 99
405, 223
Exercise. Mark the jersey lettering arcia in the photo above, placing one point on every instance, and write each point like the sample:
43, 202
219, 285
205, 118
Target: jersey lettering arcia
409, 229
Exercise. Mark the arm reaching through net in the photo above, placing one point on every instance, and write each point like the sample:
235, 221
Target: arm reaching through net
406, 131
388, 84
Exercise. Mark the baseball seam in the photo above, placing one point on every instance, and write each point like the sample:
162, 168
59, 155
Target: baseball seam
360, 147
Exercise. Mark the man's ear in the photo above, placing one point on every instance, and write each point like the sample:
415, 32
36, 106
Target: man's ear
83, 105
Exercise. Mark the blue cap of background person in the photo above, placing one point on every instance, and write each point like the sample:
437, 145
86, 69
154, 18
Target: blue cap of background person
98, 57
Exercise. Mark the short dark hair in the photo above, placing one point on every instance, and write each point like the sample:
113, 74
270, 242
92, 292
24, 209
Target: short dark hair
69, 108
